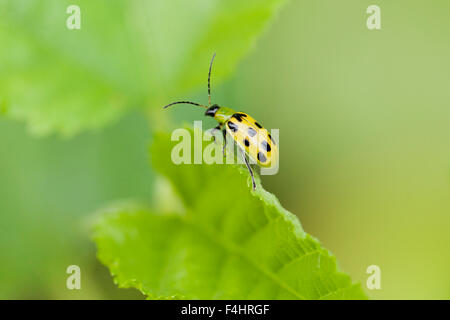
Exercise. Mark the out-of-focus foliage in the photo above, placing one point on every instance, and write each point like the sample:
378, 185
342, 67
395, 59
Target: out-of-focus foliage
230, 243
48, 187
364, 119
126, 54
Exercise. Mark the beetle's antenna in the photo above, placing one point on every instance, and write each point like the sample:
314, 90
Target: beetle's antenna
209, 79
188, 102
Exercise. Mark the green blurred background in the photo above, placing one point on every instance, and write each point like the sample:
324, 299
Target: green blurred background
364, 120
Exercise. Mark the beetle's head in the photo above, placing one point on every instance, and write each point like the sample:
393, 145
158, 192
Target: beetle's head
211, 111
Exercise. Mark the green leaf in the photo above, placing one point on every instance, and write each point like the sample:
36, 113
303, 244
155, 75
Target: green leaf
228, 243
131, 54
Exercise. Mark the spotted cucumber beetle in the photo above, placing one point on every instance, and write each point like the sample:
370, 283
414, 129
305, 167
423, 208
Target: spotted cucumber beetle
252, 139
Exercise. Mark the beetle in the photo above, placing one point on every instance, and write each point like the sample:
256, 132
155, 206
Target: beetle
252, 139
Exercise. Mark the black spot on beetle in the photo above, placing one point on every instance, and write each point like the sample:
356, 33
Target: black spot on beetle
246, 142
261, 157
238, 116
251, 132
258, 125
270, 137
266, 146
233, 126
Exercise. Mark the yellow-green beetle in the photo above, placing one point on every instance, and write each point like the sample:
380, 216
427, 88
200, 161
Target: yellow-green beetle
251, 137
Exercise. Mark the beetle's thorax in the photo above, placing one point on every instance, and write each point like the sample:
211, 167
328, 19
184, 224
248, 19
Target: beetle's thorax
220, 114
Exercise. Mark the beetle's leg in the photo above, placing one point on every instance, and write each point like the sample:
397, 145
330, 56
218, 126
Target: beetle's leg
250, 170
224, 132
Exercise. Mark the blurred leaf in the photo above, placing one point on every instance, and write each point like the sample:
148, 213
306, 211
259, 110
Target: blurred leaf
48, 187
130, 54
231, 243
